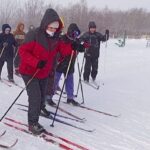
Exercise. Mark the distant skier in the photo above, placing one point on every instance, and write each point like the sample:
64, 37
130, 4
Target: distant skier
7, 44
93, 52
19, 35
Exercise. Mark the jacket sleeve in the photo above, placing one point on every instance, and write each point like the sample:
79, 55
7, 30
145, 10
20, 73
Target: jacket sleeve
26, 50
1, 41
84, 37
102, 37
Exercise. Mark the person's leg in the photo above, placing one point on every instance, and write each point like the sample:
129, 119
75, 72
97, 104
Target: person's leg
10, 69
34, 99
94, 68
56, 80
55, 85
70, 90
69, 85
87, 68
1, 66
50, 89
50, 85
43, 88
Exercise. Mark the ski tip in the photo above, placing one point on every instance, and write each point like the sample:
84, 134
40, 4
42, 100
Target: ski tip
14, 143
3, 133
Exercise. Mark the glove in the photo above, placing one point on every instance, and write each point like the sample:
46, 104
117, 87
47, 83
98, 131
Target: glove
107, 34
5, 44
86, 45
41, 64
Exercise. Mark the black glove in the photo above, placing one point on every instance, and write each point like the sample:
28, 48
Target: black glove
5, 44
107, 34
41, 64
78, 46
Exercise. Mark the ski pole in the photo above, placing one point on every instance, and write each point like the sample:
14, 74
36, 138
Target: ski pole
15, 55
105, 58
19, 95
80, 83
2, 51
80, 76
70, 61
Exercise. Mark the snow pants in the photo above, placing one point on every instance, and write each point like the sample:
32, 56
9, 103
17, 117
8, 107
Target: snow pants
91, 67
36, 91
9, 67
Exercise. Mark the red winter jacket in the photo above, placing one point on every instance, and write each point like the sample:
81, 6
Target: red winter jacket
31, 53
39, 46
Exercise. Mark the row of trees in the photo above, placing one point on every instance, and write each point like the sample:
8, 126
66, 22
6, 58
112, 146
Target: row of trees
135, 21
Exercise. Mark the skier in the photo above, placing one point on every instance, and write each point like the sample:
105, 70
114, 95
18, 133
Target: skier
19, 35
37, 57
50, 86
7, 44
92, 53
69, 44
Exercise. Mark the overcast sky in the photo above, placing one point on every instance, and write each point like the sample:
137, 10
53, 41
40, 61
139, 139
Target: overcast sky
112, 4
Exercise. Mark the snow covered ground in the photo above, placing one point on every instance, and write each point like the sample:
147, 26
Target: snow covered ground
126, 91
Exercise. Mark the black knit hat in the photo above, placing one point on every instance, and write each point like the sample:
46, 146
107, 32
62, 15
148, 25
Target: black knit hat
92, 24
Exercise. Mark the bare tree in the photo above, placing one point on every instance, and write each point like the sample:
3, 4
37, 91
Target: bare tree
135, 21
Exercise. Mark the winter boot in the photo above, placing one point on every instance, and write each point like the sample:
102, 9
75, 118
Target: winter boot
51, 102
36, 129
46, 113
73, 102
86, 80
93, 79
11, 80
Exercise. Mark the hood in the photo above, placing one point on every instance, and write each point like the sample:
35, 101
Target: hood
4, 26
49, 17
18, 26
73, 31
92, 24
18, 31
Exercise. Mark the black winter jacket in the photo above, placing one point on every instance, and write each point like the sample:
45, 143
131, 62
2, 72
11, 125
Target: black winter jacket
94, 40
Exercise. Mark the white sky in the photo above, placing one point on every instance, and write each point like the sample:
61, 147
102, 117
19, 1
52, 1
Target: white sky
112, 4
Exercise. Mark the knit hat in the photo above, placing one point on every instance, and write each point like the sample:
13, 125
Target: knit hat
92, 24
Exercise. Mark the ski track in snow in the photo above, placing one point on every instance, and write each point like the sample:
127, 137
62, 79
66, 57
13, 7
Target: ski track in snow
125, 73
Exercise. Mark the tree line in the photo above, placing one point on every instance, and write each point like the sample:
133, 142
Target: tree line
136, 21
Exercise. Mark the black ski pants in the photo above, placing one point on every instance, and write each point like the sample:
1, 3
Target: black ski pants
9, 67
36, 91
90, 67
